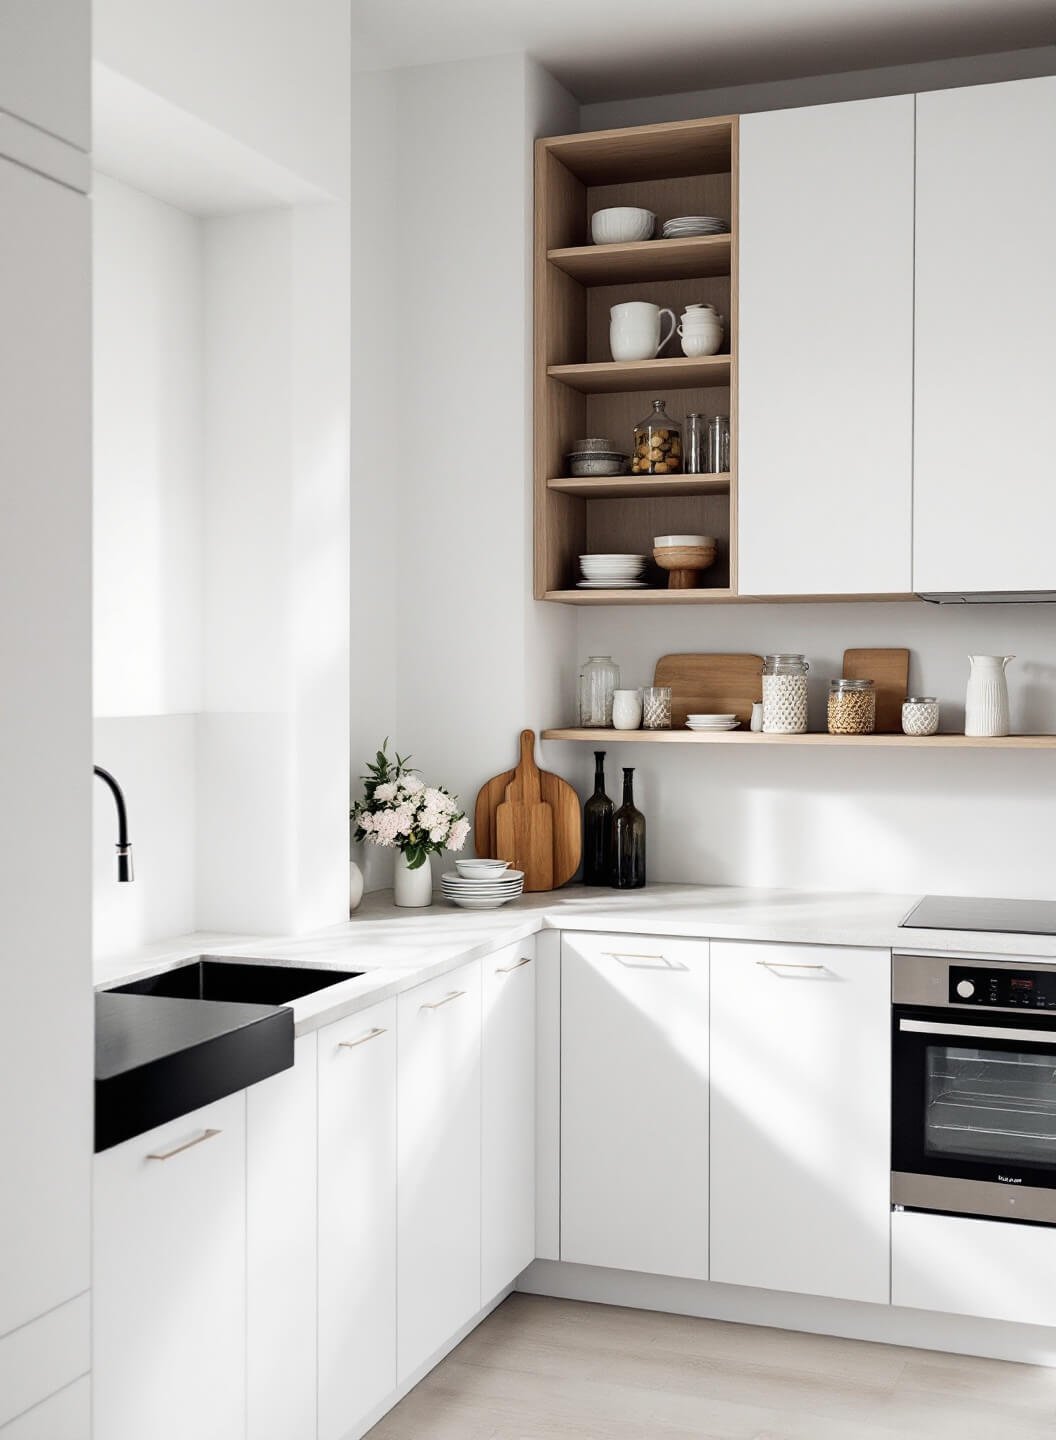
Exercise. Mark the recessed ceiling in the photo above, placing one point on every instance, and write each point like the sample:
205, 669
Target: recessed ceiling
614, 49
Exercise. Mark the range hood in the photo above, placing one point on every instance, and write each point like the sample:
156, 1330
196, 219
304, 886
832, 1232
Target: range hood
989, 597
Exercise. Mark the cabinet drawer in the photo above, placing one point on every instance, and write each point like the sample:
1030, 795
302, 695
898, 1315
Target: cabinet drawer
960, 1266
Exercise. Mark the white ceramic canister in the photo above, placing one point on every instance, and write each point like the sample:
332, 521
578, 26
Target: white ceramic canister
785, 694
920, 715
986, 703
626, 709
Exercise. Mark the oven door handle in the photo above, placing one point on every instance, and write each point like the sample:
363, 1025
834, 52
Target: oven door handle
979, 1032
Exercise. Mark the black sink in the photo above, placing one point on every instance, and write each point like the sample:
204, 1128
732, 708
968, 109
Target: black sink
247, 981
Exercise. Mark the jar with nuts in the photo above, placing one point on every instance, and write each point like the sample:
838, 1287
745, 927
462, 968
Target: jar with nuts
657, 444
852, 707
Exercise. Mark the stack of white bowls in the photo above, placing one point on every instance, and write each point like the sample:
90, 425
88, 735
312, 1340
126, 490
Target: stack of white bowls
612, 572
482, 884
701, 329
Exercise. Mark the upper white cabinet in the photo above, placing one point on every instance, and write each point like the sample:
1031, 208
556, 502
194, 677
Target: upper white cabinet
45, 66
357, 1217
825, 349
800, 1127
169, 1293
985, 504
634, 1103
46, 1060
507, 1238
438, 1235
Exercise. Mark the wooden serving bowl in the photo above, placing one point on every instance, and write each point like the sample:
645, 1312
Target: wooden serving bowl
684, 563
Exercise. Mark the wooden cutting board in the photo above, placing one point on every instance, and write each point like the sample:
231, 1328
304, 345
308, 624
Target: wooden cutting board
711, 685
566, 819
524, 822
889, 669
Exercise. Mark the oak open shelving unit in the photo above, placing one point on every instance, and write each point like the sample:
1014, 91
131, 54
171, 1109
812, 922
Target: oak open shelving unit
832, 742
683, 168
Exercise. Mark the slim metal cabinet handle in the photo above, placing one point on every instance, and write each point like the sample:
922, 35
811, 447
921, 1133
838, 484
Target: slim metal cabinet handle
624, 955
507, 969
187, 1145
435, 1004
370, 1035
787, 965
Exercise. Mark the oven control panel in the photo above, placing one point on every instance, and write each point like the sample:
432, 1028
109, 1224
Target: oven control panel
1018, 989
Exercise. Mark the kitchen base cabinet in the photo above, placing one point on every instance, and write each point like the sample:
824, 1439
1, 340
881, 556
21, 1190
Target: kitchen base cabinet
507, 1223
357, 1217
960, 1266
438, 1234
169, 1283
64, 1416
800, 1119
634, 1103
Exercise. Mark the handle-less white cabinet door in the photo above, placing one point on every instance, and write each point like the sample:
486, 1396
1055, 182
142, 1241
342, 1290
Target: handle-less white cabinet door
169, 1280
66, 1416
46, 65
984, 499
634, 1103
507, 1239
357, 1217
825, 349
800, 1127
438, 1242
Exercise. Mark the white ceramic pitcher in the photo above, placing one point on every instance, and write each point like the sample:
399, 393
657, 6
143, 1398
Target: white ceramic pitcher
986, 704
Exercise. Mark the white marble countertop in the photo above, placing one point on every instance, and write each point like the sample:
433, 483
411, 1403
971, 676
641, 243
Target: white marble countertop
398, 949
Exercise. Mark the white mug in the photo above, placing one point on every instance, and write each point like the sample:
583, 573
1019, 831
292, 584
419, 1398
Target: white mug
634, 330
626, 709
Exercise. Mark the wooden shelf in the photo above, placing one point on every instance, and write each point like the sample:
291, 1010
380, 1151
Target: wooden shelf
714, 596
630, 487
691, 259
833, 742
609, 377
645, 152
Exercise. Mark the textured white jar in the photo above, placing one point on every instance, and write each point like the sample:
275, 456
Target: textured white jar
626, 709
920, 715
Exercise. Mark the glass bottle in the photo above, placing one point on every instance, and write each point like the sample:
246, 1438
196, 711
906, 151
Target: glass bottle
718, 446
657, 444
695, 444
628, 841
597, 829
598, 680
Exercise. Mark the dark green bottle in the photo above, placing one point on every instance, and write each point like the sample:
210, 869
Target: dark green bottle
628, 841
597, 829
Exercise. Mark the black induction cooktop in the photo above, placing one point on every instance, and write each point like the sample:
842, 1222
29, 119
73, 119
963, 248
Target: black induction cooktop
973, 912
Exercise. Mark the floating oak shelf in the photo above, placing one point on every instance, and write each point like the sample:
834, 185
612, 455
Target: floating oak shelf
640, 487
609, 377
833, 742
691, 259
714, 596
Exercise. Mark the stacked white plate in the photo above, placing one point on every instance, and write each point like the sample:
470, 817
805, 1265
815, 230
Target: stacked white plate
711, 722
612, 572
682, 227
486, 892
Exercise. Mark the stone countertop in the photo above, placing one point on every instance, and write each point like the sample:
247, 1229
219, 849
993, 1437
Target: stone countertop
398, 949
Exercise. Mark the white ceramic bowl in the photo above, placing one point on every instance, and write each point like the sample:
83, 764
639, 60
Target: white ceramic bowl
475, 869
664, 542
598, 465
621, 224
702, 341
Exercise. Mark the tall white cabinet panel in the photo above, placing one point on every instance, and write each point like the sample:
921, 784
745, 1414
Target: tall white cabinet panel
281, 1197
357, 1217
507, 1231
984, 502
46, 1060
438, 1246
634, 1103
825, 349
65, 1416
169, 1294
46, 64
800, 1128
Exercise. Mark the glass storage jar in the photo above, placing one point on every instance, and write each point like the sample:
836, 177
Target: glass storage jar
920, 715
656, 707
852, 707
657, 443
785, 694
598, 681
718, 445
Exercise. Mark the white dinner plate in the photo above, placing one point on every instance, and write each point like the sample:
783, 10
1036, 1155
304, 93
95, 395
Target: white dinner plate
612, 585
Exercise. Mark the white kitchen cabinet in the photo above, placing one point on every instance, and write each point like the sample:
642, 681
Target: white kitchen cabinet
984, 502
169, 1283
281, 1251
507, 1228
800, 1118
438, 1235
357, 1217
45, 66
64, 1416
825, 349
46, 1060
634, 1103
961, 1266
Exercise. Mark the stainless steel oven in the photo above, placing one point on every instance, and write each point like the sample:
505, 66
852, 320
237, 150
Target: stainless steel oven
974, 1087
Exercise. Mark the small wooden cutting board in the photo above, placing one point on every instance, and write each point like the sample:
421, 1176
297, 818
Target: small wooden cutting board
889, 670
566, 820
711, 685
524, 822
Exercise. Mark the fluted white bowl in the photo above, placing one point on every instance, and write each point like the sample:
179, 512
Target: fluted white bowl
621, 224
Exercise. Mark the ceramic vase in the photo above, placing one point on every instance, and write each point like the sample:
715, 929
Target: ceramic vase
355, 886
413, 888
986, 703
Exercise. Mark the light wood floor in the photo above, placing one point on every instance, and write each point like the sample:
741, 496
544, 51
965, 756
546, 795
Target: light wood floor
540, 1369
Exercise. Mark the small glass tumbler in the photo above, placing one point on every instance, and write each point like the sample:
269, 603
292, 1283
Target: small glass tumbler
656, 707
